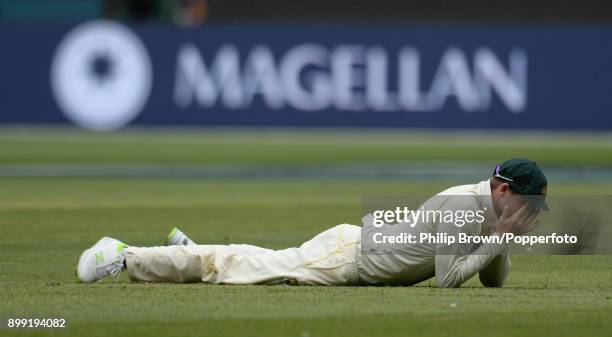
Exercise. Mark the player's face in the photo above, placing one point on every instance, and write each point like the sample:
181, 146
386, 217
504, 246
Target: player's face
514, 201
506, 197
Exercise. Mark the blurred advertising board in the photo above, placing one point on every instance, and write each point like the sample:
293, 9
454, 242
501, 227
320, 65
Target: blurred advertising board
103, 75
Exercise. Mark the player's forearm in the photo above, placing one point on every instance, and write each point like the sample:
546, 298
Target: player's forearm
462, 268
494, 274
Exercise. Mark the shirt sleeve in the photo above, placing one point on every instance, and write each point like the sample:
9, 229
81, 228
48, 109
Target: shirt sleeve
495, 273
457, 263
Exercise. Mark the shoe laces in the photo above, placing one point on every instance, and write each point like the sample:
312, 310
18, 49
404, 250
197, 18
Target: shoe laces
113, 268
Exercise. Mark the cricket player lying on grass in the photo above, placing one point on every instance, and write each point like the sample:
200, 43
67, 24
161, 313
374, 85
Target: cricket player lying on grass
335, 257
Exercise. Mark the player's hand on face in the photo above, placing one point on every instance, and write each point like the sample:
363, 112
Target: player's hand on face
521, 222
531, 222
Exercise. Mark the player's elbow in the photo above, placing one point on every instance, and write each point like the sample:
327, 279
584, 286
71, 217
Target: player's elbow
495, 278
491, 283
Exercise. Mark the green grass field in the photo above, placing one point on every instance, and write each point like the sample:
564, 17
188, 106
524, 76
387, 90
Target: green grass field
47, 221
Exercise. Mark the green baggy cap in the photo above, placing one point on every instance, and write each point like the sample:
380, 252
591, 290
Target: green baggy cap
525, 178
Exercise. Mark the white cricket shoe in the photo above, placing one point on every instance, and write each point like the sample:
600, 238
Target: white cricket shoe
104, 258
178, 238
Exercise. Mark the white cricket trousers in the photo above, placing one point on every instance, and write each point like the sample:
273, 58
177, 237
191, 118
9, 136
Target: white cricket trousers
329, 258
